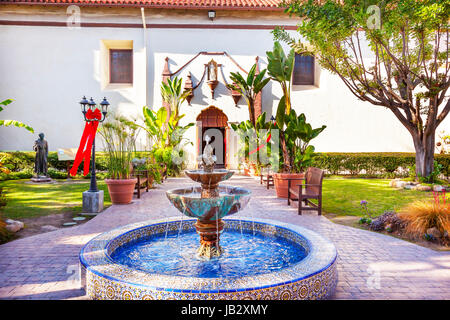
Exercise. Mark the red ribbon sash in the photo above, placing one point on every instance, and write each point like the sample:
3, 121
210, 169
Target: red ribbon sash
87, 138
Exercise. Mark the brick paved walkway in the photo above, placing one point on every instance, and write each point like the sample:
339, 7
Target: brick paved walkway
43, 266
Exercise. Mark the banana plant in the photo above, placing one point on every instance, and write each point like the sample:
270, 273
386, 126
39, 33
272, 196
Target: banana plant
15, 123
154, 125
173, 95
280, 67
249, 88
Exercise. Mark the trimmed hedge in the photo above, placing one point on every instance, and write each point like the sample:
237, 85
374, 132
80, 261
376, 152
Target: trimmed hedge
373, 163
21, 165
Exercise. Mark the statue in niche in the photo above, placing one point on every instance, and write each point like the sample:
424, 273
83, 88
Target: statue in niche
212, 71
212, 76
40, 161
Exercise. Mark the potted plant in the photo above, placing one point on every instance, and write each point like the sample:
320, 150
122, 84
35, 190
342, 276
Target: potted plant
254, 137
119, 137
295, 133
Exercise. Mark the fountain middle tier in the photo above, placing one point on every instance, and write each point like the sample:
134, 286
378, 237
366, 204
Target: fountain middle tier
209, 211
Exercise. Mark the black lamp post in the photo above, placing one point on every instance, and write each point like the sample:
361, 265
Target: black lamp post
104, 109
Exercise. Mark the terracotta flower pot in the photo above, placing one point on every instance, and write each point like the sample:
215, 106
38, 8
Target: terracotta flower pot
121, 190
281, 182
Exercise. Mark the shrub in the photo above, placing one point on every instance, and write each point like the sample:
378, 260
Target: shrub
56, 174
5, 235
422, 215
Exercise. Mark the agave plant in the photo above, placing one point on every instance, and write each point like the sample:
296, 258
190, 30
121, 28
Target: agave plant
249, 88
15, 123
173, 95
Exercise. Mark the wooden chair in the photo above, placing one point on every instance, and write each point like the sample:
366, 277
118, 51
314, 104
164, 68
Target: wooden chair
312, 189
163, 171
143, 181
267, 178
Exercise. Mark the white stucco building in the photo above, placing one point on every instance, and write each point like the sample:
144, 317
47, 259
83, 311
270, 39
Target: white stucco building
53, 53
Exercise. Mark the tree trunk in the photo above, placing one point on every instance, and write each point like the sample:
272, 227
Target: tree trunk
251, 111
424, 154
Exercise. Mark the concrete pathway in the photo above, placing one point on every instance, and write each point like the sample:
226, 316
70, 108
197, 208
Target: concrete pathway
371, 265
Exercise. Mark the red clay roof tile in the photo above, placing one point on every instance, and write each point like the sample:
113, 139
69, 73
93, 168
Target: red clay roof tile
175, 4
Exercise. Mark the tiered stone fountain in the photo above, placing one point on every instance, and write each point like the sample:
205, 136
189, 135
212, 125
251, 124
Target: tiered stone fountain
210, 203
260, 258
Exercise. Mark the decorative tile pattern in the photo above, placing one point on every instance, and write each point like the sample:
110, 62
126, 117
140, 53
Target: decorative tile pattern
314, 277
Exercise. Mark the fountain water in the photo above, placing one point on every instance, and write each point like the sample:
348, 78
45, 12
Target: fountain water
209, 204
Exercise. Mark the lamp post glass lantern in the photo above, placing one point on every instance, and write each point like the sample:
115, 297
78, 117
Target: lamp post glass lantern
104, 109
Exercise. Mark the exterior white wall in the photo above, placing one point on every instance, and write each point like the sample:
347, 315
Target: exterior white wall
46, 70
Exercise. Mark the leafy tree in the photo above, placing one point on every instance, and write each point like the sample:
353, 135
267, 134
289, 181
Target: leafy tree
408, 72
249, 88
15, 123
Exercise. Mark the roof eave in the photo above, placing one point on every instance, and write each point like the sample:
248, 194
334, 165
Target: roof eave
135, 5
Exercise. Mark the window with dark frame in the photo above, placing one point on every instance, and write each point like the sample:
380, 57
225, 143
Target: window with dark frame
303, 70
120, 65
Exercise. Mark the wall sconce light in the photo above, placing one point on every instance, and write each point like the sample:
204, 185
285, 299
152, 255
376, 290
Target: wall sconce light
211, 14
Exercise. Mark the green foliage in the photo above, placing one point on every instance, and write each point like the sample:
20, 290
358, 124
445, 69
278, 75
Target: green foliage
298, 135
119, 137
56, 174
168, 142
406, 70
15, 123
174, 95
280, 67
254, 136
249, 87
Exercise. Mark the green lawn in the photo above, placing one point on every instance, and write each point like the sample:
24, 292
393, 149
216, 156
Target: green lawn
342, 196
26, 200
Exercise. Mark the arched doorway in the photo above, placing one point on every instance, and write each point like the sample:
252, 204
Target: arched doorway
214, 123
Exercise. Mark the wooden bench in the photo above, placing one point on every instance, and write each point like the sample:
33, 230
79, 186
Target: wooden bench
312, 189
267, 179
143, 181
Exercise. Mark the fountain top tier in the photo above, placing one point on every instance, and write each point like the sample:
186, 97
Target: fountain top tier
208, 176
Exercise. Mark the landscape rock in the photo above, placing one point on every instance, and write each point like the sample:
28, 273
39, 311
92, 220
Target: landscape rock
388, 220
400, 184
15, 226
424, 188
434, 232
393, 182
49, 228
438, 188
